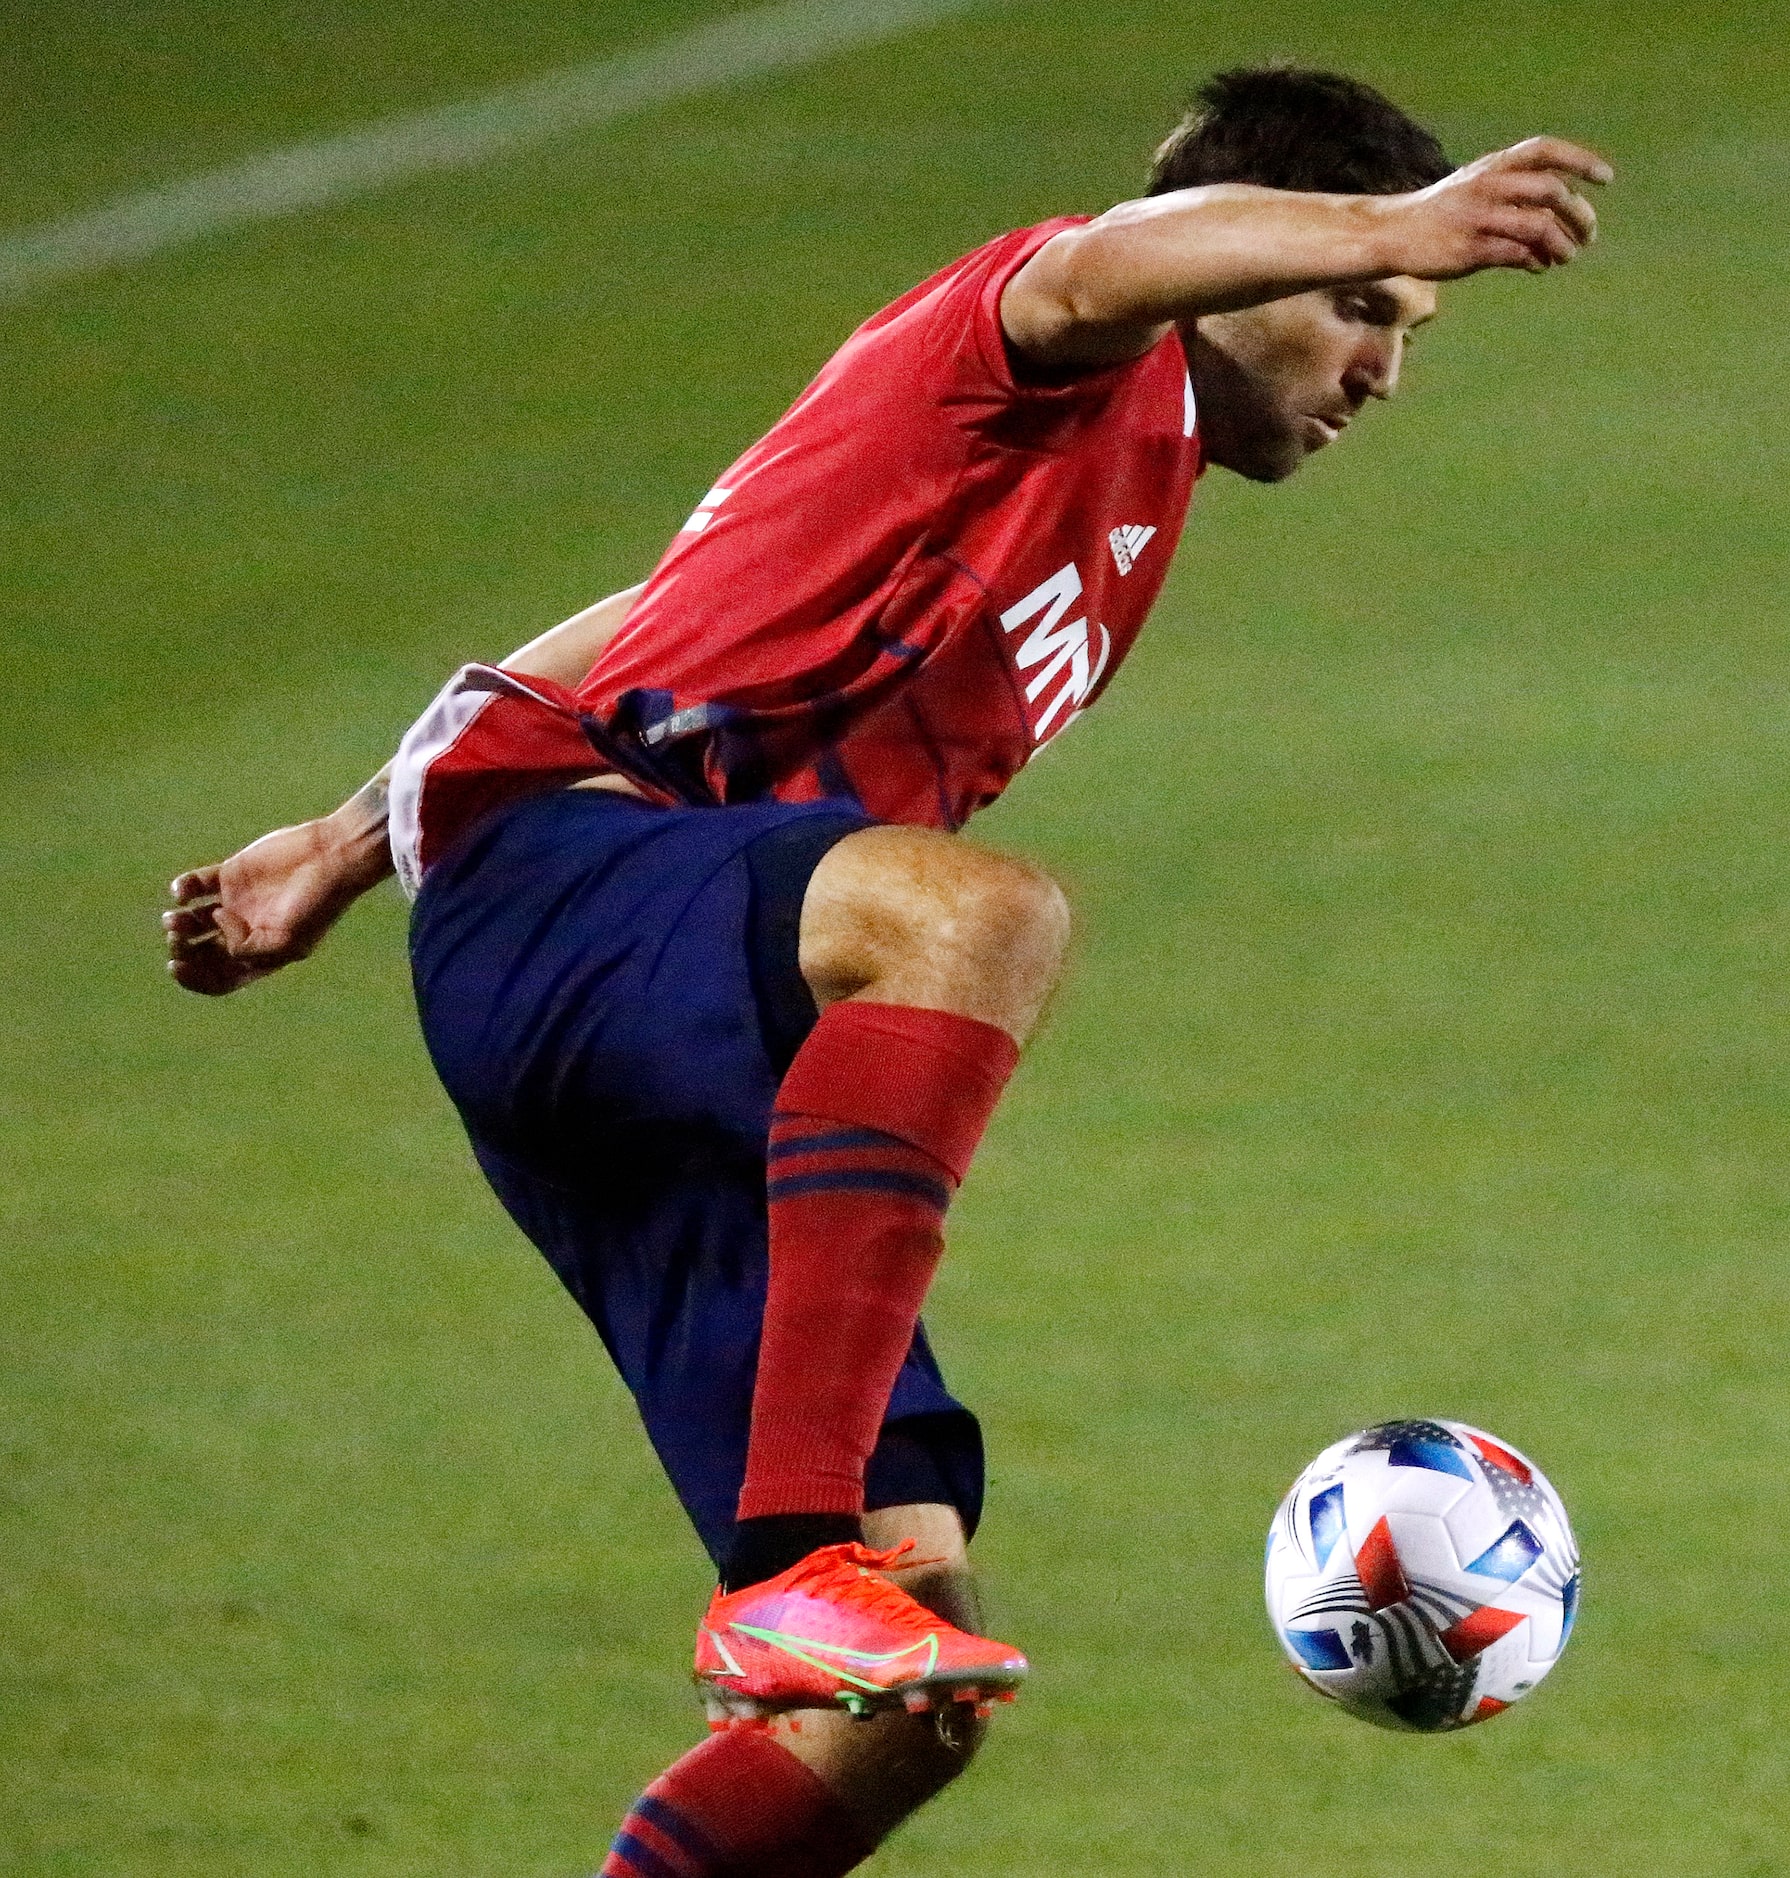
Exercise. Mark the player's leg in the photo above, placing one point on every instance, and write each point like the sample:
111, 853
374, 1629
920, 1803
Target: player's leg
932, 960
886, 1767
613, 996
814, 1793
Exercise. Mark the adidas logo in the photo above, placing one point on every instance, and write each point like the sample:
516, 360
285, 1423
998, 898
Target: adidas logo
1128, 543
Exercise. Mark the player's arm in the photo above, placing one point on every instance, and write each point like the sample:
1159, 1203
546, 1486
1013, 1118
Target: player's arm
564, 653
272, 903
1107, 292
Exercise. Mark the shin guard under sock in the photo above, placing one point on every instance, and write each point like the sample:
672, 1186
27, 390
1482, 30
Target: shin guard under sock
875, 1126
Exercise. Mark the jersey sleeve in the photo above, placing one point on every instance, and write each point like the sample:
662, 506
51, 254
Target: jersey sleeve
973, 367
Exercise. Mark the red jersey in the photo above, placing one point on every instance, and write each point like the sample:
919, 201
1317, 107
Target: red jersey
925, 571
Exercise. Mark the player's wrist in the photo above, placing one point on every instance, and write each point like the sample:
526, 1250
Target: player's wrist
1381, 236
355, 841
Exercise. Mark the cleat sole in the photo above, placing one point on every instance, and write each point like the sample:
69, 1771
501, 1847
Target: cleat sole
726, 1708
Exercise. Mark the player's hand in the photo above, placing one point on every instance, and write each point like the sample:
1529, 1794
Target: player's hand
265, 907
1514, 208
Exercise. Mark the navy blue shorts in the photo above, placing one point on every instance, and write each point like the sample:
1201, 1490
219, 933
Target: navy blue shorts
610, 994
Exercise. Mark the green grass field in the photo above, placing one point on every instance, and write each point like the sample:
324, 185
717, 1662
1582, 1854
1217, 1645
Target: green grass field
1428, 1047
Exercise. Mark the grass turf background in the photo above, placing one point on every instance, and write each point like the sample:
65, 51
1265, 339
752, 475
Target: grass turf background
1426, 1048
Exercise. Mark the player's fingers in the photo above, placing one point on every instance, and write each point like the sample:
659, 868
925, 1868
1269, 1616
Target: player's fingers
181, 943
189, 921
1500, 252
1545, 190
238, 933
1556, 243
188, 958
1579, 216
194, 884
1543, 240
1555, 153
255, 948
211, 974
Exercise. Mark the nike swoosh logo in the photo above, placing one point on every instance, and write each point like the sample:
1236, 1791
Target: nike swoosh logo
803, 1649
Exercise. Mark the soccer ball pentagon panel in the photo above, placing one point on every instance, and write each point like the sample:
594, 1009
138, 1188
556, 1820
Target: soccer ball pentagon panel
1423, 1575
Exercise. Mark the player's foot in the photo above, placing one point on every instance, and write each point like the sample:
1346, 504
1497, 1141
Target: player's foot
831, 1633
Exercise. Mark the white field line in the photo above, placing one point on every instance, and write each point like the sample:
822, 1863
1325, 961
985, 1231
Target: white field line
454, 137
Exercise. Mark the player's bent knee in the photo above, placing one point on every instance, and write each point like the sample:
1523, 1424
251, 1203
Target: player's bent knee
997, 901
911, 916
996, 950
1019, 917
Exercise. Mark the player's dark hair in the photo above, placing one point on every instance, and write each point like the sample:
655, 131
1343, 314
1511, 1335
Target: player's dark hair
1286, 128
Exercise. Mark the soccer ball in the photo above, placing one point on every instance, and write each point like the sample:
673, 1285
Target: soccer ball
1422, 1575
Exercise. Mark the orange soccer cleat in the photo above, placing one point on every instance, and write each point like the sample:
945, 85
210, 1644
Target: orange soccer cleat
831, 1633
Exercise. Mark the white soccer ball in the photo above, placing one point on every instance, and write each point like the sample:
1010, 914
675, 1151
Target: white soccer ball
1423, 1575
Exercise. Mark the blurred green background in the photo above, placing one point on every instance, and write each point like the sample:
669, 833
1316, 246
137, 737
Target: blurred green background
1426, 1049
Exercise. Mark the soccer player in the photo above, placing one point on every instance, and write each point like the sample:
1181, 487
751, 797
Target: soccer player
722, 996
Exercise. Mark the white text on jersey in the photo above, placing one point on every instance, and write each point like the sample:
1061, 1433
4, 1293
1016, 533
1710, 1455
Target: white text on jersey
1052, 647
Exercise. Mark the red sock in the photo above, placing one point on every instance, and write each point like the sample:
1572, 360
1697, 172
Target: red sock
875, 1125
739, 1806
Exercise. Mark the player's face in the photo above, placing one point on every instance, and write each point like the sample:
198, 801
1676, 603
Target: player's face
1276, 382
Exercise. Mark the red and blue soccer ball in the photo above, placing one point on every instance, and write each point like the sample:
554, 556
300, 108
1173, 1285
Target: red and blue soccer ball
1423, 1575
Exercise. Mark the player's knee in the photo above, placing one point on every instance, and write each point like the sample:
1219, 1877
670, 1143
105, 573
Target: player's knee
1014, 914
1000, 943
908, 916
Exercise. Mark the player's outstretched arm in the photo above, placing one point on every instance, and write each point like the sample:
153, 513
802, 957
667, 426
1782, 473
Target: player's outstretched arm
1107, 292
272, 903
